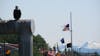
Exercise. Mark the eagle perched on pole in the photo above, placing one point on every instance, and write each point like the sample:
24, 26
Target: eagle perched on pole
17, 13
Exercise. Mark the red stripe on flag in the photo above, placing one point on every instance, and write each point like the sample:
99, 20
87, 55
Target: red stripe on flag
66, 27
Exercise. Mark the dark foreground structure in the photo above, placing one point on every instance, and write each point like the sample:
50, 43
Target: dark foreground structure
23, 28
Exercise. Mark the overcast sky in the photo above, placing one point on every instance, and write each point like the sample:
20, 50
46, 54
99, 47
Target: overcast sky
50, 16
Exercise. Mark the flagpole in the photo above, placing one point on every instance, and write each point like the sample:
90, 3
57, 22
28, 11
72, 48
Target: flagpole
57, 47
71, 33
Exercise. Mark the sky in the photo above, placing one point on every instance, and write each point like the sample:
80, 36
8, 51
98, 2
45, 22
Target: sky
51, 16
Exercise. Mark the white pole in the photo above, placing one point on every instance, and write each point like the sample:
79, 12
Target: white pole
71, 33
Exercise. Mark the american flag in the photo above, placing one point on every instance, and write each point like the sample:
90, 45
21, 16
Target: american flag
66, 27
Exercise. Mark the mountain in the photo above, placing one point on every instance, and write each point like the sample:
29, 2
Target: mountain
91, 45
87, 47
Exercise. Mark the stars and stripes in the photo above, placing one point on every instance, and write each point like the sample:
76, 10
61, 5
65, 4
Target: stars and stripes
66, 27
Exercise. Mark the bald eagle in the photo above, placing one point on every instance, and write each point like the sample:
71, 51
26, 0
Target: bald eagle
17, 13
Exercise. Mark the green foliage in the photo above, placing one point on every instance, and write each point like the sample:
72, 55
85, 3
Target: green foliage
38, 43
12, 38
36, 52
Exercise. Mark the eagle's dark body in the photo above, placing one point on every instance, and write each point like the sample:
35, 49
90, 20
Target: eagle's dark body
17, 13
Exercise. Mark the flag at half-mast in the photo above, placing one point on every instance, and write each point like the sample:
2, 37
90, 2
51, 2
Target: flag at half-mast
66, 27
